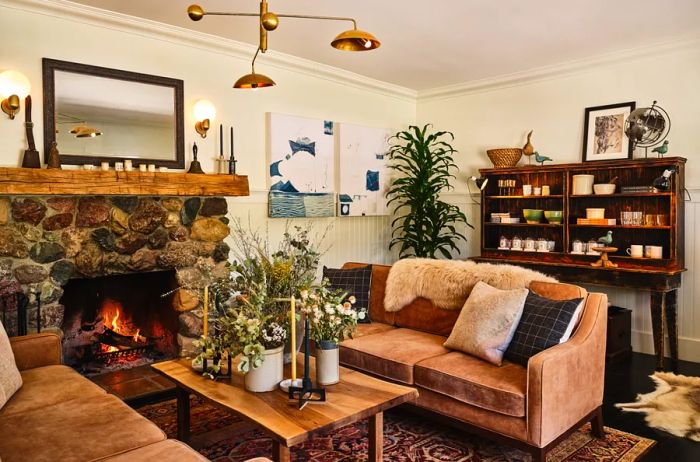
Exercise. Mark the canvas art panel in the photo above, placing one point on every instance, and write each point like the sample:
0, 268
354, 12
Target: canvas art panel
301, 167
363, 170
604, 132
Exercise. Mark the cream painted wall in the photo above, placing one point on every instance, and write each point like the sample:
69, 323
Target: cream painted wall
554, 108
28, 36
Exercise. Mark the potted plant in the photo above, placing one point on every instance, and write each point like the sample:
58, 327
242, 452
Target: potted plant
424, 225
331, 318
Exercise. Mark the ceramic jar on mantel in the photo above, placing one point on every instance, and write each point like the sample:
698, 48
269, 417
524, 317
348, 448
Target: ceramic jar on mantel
327, 363
270, 373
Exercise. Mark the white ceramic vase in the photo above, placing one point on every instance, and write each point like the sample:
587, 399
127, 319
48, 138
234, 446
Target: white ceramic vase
327, 363
270, 373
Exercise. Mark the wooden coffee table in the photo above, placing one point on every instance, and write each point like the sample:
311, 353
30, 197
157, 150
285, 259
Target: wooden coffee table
357, 397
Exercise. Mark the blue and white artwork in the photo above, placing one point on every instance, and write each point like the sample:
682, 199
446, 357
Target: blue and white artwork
301, 167
363, 171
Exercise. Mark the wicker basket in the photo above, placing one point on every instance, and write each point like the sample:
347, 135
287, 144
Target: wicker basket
505, 157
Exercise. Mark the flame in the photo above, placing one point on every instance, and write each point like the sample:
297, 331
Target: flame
136, 335
111, 317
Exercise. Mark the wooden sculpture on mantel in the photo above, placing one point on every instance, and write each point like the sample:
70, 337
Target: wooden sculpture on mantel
31, 155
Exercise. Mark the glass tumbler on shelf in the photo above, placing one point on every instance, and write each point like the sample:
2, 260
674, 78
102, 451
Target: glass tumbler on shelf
626, 218
637, 218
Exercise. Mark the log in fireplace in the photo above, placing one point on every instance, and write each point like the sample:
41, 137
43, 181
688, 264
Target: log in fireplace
119, 322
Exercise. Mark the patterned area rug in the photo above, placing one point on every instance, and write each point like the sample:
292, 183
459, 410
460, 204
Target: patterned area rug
221, 437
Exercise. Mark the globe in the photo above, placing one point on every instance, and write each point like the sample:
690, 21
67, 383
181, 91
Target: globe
647, 126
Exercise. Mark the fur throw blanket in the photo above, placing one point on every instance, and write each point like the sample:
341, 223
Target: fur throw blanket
448, 283
673, 407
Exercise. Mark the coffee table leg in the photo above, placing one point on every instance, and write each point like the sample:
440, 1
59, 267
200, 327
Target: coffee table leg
376, 437
183, 414
280, 453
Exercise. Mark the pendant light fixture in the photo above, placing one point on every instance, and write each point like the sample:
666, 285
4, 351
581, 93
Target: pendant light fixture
350, 40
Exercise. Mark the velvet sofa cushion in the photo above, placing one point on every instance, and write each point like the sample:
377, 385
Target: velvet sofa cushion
476, 382
423, 315
168, 450
391, 354
10, 378
371, 329
49, 385
487, 322
75, 431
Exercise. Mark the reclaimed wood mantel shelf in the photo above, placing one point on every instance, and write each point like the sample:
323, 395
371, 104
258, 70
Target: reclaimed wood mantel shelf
24, 181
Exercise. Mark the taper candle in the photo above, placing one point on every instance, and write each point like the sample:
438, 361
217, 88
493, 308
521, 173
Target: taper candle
293, 339
206, 311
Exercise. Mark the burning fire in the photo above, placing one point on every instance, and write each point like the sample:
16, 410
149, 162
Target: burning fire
110, 317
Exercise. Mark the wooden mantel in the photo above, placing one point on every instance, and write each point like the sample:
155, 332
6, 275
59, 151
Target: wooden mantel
24, 181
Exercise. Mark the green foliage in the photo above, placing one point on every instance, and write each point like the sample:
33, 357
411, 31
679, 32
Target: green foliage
424, 226
330, 313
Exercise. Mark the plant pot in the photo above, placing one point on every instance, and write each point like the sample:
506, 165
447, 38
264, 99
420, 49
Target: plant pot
327, 363
268, 375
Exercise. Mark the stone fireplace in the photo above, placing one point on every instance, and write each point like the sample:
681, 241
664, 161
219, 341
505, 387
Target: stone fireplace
51, 243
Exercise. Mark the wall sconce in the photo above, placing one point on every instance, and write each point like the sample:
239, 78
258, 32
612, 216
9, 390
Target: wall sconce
204, 112
480, 182
14, 86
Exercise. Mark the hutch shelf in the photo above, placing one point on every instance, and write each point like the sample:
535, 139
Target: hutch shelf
660, 276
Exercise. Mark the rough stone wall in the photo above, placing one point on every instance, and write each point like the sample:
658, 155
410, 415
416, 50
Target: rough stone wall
47, 240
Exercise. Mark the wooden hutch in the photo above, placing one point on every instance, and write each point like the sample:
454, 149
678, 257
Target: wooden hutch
661, 277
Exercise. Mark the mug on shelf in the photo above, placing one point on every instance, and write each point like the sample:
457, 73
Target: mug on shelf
551, 245
529, 244
527, 190
635, 251
577, 247
545, 190
653, 251
542, 245
517, 243
537, 191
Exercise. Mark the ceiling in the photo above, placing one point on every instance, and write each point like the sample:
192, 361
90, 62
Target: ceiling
428, 44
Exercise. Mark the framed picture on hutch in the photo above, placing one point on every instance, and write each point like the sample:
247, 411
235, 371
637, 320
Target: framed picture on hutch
604, 132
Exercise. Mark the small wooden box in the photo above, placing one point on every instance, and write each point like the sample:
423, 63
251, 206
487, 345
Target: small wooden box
619, 339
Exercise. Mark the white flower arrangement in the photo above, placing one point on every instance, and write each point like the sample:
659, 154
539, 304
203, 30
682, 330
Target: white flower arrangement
330, 312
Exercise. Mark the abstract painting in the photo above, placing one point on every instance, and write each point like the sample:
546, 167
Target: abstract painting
301, 167
363, 171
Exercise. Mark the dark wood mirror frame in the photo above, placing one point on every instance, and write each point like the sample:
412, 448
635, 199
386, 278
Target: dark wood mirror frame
50, 66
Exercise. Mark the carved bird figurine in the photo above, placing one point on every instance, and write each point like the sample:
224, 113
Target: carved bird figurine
528, 149
663, 149
541, 159
607, 239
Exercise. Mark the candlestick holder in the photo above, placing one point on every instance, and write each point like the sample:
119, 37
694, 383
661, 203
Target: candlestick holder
217, 358
307, 393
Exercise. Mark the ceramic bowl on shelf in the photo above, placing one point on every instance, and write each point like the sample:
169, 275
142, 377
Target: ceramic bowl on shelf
554, 216
595, 213
604, 188
533, 216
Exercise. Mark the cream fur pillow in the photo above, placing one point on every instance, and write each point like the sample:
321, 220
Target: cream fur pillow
487, 322
10, 380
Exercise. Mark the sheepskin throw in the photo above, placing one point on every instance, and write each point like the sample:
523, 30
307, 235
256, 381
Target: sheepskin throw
448, 283
673, 407
486, 333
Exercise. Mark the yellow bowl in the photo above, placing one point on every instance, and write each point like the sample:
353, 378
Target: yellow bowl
533, 215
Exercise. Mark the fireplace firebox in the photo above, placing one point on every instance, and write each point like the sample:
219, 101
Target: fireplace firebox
119, 322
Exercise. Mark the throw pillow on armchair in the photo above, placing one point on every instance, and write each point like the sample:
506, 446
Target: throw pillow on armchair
10, 379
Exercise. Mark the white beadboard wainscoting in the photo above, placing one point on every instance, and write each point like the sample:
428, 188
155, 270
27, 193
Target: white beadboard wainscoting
366, 239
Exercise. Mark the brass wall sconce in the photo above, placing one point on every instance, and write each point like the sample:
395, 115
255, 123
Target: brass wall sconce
204, 112
351, 40
14, 86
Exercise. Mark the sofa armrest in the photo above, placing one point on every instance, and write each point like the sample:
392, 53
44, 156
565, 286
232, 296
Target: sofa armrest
36, 350
565, 383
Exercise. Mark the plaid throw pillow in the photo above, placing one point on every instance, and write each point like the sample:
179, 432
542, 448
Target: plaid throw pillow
543, 324
355, 281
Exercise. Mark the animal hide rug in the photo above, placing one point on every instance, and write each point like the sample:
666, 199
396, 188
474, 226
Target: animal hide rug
673, 407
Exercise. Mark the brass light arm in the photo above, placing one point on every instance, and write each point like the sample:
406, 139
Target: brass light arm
327, 18
219, 13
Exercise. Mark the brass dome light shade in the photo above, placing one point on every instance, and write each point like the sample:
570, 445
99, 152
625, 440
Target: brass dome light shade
355, 40
254, 81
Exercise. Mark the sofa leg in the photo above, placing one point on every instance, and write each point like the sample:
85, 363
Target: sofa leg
538, 454
597, 427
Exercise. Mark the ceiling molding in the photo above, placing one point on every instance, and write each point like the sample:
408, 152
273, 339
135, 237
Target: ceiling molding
557, 70
85, 14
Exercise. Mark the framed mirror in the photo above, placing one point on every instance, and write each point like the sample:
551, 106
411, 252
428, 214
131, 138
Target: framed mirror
96, 114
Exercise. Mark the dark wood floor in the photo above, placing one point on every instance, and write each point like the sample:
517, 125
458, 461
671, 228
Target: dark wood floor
623, 381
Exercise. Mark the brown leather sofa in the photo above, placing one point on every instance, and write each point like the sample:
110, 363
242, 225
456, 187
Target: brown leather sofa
60, 415
533, 408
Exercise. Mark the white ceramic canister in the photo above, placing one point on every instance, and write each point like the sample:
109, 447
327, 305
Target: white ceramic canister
583, 184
